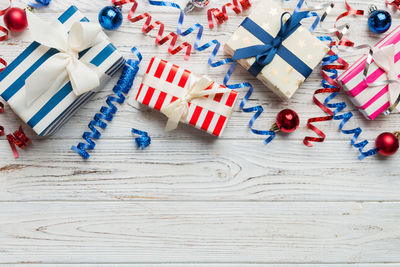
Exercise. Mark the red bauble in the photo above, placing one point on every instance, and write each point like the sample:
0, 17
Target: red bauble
387, 144
287, 120
15, 19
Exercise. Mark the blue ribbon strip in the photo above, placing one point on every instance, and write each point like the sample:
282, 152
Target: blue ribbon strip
143, 140
121, 89
340, 106
39, 3
272, 46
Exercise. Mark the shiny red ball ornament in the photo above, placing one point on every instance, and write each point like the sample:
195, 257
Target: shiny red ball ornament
387, 144
287, 120
15, 19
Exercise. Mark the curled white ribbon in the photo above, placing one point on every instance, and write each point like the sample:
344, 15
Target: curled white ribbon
64, 65
179, 109
384, 58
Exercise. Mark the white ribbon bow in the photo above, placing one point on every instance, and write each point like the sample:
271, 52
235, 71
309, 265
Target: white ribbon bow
179, 109
65, 65
384, 59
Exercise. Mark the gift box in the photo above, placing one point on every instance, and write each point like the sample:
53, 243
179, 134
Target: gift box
373, 100
259, 39
58, 72
187, 97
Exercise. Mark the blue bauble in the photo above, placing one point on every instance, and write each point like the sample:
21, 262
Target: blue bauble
110, 18
379, 21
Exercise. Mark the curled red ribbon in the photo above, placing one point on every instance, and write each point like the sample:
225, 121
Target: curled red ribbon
335, 88
222, 15
160, 40
18, 139
1, 111
395, 3
5, 34
148, 26
350, 11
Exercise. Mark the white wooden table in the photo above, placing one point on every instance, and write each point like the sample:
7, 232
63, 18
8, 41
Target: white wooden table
190, 199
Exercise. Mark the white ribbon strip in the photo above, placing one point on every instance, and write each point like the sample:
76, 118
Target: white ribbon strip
65, 65
179, 110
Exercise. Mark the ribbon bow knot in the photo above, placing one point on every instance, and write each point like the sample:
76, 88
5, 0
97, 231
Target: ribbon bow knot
179, 109
266, 52
384, 58
65, 65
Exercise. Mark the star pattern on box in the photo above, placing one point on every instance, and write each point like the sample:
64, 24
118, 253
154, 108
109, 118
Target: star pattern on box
273, 12
246, 41
273, 72
289, 69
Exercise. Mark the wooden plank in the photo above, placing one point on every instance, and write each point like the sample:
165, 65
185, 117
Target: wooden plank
186, 170
213, 264
199, 232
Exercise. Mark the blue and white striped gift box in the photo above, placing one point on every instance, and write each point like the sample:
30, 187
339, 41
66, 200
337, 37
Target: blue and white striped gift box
47, 114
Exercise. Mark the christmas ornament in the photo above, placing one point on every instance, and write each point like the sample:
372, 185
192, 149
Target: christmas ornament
379, 21
287, 121
15, 19
110, 17
120, 90
387, 143
195, 4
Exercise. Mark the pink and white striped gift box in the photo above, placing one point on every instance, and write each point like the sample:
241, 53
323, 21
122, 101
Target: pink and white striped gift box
371, 101
173, 83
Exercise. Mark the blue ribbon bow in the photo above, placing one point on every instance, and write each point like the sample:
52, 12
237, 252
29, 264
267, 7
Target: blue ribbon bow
266, 52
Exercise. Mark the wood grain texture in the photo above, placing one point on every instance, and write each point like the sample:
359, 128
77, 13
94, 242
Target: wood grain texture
180, 232
191, 199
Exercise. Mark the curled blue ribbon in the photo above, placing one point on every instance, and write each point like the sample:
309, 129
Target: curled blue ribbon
122, 88
143, 140
39, 3
340, 106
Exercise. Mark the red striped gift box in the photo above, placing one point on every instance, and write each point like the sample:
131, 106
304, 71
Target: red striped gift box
174, 82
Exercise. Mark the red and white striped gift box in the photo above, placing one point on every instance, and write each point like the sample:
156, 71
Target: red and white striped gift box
173, 83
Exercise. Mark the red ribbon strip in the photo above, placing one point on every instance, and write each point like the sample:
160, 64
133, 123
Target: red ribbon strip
18, 139
120, 3
5, 34
336, 88
222, 15
1, 111
395, 3
335, 85
148, 26
350, 11
160, 40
